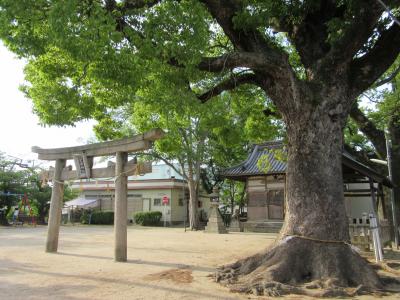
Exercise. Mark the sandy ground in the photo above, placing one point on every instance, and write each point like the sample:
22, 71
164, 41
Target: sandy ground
163, 263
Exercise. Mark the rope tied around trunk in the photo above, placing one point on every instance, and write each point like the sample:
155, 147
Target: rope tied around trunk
57, 181
318, 240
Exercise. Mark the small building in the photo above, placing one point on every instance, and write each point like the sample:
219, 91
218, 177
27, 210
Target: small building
145, 193
266, 190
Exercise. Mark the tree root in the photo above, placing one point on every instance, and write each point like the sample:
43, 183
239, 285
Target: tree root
304, 267
389, 269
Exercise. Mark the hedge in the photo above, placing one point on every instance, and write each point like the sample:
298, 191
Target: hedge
98, 217
102, 217
148, 218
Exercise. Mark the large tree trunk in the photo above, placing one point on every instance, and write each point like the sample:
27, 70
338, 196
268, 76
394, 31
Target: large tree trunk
313, 246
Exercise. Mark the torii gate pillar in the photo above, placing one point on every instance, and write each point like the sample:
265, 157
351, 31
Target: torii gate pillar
121, 207
56, 204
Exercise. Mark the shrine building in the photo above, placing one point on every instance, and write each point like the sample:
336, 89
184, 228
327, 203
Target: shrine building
363, 188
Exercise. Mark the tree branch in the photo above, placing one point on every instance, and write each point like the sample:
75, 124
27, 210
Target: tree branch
311, 35
358, 31
224, 11
387, 79
252, 60
375, 135
387, 8
229, 84
364, 71
135, 4
249, 40
123, 6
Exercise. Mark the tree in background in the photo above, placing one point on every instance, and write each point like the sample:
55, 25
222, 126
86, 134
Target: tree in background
12, 184
15, 182
89, 56
215, 134
233, 193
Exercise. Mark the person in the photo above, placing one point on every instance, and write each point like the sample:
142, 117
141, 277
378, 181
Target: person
15, 214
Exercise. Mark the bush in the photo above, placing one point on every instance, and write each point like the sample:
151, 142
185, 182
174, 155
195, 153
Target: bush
147, 218
102, 217
97, 217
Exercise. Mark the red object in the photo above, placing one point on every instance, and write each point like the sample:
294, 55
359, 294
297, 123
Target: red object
165, 200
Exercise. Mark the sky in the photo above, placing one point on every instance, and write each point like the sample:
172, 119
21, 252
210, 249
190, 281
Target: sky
19, 127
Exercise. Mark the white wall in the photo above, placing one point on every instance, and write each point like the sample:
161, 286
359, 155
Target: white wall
356, 206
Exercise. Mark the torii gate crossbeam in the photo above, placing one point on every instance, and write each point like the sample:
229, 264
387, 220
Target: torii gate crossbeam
83, 156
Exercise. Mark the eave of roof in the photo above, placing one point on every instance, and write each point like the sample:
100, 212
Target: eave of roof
349, 161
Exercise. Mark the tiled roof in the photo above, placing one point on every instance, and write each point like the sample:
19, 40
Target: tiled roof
249, 166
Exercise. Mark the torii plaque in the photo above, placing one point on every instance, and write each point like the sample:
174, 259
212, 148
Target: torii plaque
83, 157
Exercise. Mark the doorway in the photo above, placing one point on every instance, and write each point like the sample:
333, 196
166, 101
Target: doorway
146, 204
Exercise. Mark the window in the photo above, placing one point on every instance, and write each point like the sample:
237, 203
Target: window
157, 201
180, 202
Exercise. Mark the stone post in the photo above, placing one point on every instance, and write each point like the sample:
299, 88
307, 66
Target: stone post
215, 223
121, 207
57, 194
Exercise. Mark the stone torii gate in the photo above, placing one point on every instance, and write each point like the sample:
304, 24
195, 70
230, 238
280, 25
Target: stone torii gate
83, 157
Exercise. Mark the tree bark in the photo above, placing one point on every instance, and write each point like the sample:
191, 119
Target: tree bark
313, 246
315, 203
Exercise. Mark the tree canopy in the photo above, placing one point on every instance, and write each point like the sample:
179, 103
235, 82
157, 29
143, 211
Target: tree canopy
88, 56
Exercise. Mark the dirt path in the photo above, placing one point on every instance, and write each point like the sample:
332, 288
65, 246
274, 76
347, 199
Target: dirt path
162, 263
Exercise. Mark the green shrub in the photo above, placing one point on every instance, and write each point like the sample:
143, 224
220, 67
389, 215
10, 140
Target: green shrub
85, 216
148, 218
102, 217
97, 217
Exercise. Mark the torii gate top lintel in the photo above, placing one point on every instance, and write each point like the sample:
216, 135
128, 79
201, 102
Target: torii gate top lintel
135, 143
